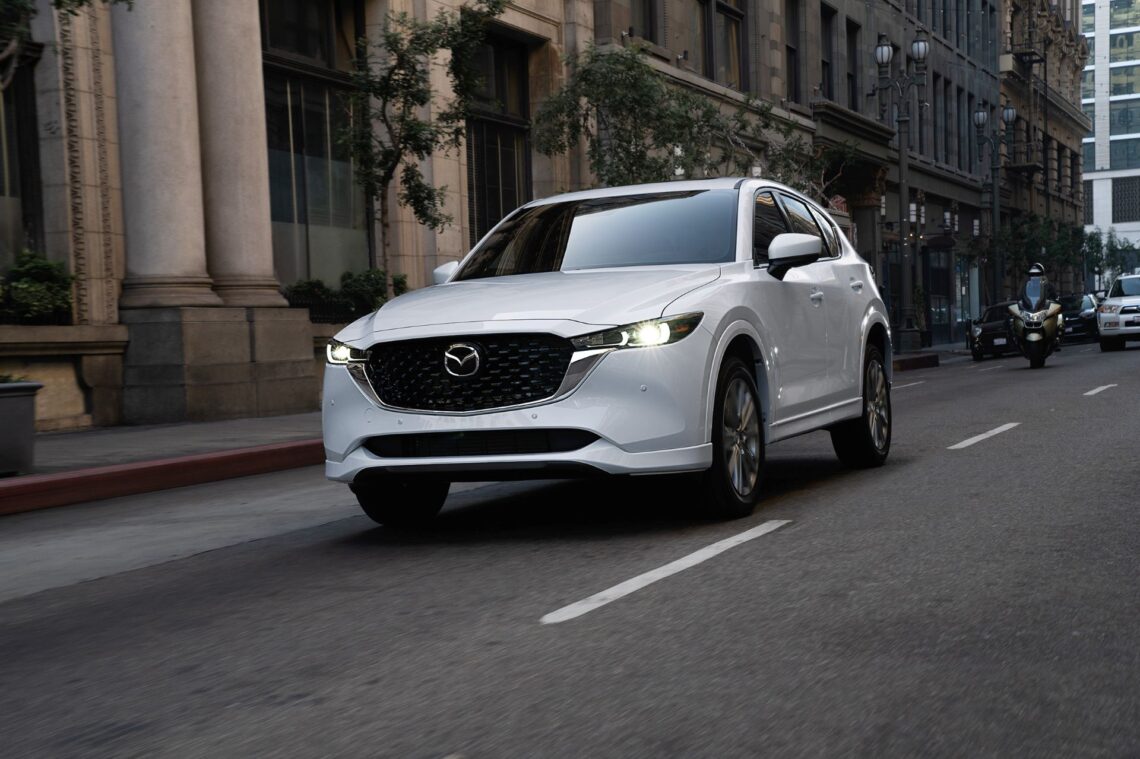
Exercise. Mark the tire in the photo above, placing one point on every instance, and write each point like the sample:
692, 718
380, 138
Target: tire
731, 486
865, 442
978, 355
1111, 344
400, 501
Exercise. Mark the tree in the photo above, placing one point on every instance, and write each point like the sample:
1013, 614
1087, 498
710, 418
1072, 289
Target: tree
392, 130
640, 127
15, 25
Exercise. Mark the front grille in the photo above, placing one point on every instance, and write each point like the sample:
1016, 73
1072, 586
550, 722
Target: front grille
513, 370
479, 443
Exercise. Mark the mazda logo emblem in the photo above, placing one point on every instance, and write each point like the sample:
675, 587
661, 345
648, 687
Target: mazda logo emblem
461, 360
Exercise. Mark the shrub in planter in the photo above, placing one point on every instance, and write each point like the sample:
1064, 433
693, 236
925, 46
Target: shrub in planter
36, 291
359, 294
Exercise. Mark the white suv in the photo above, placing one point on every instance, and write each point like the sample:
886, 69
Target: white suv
665, 328
1118, 315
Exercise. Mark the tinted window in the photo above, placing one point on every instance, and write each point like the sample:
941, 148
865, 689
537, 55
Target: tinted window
1077, 302
996, 314
830, 236
800, 217
630, 230
767, 222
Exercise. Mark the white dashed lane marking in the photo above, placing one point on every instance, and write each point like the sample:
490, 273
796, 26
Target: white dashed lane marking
635, 584
1100, 389
909, 384
979, 438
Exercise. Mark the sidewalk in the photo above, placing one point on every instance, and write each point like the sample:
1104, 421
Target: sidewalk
75, 467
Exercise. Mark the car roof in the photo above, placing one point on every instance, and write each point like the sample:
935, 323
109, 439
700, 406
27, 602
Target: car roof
683, 185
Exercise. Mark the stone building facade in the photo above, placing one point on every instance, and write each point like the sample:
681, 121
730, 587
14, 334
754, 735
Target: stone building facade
186, 158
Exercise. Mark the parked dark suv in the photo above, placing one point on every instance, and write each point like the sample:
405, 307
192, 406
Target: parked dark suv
992, 334
1080, 317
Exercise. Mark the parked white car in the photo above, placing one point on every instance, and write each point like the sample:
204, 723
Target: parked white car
1118, 315
664, 328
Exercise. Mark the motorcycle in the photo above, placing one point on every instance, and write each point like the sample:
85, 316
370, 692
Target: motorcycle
1037, 322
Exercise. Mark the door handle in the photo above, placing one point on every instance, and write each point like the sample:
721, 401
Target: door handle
817, 296
857, 285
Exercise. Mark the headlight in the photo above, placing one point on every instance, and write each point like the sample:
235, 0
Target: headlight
1088, 312
977, 331
1108, 308
340, 353
641, 335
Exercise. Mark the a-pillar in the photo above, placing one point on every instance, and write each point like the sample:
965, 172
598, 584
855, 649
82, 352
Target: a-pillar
235, 163
160, 159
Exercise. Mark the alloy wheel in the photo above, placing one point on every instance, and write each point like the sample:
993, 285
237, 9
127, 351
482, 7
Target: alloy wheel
740, 437
878, 407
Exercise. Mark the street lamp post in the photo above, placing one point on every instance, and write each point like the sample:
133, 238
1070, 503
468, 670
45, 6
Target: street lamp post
900, 85
994, 140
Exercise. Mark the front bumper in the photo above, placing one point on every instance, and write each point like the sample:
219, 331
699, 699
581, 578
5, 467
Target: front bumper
1119, 325
1077, 328
646, 406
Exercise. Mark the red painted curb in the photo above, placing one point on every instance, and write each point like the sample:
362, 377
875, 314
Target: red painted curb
42, 491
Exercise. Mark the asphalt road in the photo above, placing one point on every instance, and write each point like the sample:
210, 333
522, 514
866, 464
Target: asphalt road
961, 601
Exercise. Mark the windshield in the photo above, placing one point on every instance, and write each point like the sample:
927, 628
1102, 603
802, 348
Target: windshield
1033, 293
631, 230
1122, 287
1076, 303
996, 314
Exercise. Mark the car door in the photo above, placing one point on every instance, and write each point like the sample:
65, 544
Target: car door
846, 297
792, 318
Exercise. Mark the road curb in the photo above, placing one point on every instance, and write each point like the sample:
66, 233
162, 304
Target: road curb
43, 491
915, 361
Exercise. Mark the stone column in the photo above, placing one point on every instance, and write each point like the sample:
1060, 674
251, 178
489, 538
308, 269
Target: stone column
235, 162
161, 164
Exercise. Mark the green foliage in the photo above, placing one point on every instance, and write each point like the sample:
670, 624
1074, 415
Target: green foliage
391, 132
359, 294
6, 378
1032, 239
36, 291
15, 28
639, 127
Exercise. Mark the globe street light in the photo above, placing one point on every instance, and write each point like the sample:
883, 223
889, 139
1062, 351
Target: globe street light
900, 86
994, 140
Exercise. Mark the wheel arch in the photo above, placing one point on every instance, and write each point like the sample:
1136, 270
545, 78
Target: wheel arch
741, 341
877, 333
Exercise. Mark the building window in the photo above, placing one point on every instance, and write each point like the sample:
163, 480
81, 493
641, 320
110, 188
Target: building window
1088, 155
938, 111
1123, 80
498, 152
1088, 81
644, 21
1088, 18
1124, 117
827, 51
21, 209
319, 214
1125, 200
1123, 13
792, 50
728, 45
1088, 190
1122, 47
854, 98
964, 121
1090, 111
1124, 154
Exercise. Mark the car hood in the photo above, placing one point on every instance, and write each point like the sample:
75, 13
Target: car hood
1123, 300
597, 297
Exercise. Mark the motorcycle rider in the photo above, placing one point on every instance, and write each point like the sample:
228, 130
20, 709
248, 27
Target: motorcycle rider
1037, 292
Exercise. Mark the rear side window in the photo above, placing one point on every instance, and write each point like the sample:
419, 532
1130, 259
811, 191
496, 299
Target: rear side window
767, 222
830, 236
800, 218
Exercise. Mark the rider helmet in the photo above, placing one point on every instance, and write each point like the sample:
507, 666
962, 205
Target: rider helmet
1036, 270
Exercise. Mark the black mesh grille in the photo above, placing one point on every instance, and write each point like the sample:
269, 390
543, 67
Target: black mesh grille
513, 369
479, 443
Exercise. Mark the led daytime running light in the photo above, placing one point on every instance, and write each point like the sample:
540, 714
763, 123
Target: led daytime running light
642, 334
340, 353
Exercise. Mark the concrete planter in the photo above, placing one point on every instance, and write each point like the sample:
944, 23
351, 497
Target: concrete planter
18, 422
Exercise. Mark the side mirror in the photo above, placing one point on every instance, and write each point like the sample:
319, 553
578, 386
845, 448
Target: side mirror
443, 273
792, 249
